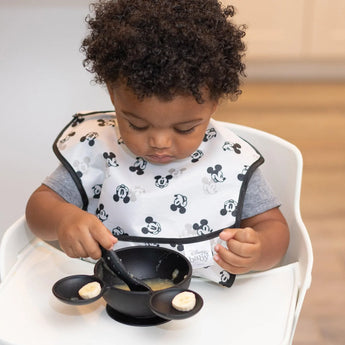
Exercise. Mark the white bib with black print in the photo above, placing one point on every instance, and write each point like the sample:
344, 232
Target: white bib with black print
182, 205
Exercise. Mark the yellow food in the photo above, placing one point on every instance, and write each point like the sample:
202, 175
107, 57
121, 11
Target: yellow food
184, 301
90, 290
155, 284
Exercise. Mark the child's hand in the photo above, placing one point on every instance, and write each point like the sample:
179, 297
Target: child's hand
80, 234
243, 250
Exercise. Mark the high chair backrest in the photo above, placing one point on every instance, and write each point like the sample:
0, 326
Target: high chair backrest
283, 169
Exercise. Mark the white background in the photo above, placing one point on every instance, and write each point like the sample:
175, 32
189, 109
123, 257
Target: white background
42, 84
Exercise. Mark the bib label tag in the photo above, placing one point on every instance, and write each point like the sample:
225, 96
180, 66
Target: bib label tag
199, 254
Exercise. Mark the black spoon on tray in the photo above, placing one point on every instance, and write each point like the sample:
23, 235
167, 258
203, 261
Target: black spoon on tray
115, 264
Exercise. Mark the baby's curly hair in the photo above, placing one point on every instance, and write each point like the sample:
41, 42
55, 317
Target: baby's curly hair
165, 48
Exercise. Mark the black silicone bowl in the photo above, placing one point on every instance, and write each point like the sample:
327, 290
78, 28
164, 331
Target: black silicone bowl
134, 307
144, 263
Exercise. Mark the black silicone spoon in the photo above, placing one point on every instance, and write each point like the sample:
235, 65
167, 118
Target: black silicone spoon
116, 265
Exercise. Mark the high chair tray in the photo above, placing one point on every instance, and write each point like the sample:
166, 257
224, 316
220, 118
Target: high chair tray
257, 309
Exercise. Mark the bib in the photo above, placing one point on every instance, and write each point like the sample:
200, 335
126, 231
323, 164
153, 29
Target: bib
183, 205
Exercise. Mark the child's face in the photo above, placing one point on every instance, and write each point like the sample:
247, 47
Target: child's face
161, 131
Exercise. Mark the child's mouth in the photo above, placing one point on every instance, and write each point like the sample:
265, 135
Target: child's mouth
162, 159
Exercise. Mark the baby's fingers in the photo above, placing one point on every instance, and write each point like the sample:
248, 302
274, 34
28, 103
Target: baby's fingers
244, 250
227, 234
230, 261
245, 235
103, 237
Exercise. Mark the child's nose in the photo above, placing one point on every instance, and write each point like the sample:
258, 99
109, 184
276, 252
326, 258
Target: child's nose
160, 140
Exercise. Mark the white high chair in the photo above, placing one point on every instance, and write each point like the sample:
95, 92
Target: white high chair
283, 169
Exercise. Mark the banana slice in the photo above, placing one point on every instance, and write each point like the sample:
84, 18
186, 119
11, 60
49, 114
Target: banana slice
184, 301
90, 290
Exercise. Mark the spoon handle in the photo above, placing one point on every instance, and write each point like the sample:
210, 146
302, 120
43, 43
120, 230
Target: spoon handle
116, 265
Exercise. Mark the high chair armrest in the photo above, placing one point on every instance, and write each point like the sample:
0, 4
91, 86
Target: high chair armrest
14, 240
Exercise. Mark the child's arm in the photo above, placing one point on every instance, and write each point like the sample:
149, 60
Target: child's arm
79, 233
258, 245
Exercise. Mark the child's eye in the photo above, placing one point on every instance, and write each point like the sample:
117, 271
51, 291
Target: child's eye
185, 131
136, 127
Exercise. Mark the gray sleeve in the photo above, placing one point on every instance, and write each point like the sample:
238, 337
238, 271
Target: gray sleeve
259, 196
61, 182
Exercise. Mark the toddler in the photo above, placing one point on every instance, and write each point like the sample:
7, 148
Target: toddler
159, 170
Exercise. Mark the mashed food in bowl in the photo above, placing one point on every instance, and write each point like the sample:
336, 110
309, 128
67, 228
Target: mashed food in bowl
155, 284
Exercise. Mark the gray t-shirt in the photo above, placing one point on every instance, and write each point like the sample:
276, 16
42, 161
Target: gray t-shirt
258, 199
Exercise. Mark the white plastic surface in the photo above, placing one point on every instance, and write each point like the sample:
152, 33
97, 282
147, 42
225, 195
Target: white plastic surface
15, 239
256, 310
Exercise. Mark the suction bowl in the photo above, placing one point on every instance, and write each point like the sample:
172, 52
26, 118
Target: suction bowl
144, 263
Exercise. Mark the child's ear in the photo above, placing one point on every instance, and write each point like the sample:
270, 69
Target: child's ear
111, 93
214, 107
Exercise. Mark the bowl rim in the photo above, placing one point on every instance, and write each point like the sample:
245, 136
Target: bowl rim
143, 247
